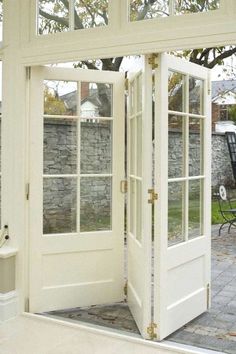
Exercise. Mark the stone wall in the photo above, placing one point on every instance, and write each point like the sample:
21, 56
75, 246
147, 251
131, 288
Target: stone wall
60, 157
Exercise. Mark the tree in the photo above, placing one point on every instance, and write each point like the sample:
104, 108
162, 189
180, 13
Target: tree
54, 17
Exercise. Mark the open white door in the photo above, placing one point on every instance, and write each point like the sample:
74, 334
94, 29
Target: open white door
182, 181
139, 229
76, 206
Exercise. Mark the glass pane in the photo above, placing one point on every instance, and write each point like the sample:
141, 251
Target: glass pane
184, 7
132, 146
96, 146
195, 210
175, 213
131, 98
195, 96
59, 205
176, 147
60, 98
95, 203
139, 93
139, 210
53, 16
96, 100
132, 205
141, 10
176, 91
195, 147
60, 146
92, 13
139, 146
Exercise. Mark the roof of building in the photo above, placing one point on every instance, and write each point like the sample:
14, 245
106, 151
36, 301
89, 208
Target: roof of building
220, 87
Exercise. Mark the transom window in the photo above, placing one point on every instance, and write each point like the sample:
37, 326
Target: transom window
68, 15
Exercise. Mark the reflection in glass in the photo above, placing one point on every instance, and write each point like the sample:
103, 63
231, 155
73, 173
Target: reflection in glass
185, 7
95, 203
175, 147
141, 10
175, 213
132, 146
176, 91
139, 146
96, 100
195, 96
48, 10
139, 93
139, 211
60, 146
60, 98
59, 205
195, 147
91, 13
195, 209
96, 146
132, 206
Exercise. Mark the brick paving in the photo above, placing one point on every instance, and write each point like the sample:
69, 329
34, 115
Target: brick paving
215, 329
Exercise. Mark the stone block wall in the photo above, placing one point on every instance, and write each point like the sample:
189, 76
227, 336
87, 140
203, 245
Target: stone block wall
60, 157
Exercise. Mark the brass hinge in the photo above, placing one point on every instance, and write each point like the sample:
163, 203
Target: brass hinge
153, 196
208, 295
123, 186
126, 84
27, 191
151, 330
152, 60
126, 288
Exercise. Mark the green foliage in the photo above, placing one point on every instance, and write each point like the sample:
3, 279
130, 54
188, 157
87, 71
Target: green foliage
232, 113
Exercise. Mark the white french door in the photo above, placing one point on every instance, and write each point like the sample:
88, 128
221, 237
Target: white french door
139, 228
182, 181
76, 206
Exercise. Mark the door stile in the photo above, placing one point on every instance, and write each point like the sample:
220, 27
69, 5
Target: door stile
35, 174
207, 134
161, 186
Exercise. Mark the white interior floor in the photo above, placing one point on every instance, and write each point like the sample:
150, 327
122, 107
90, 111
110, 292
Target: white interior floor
31, 334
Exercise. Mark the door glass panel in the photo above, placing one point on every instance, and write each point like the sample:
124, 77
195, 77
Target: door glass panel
92, 13
140, 10
139, 210
132, 146
175, 213
96, 146
195, 212
139, 93
132, 206
139, 145
176, 91
96, 100
60, 98
195, 96
95, 203
60, 146
195, 147
131, 98
50, 9
176, 147
59, 205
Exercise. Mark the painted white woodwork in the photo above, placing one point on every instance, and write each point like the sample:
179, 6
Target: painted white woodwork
8, 306
181, 271
197, 30
75, 269
139, 235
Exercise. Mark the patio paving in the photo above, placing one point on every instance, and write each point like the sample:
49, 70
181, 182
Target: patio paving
215, 329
